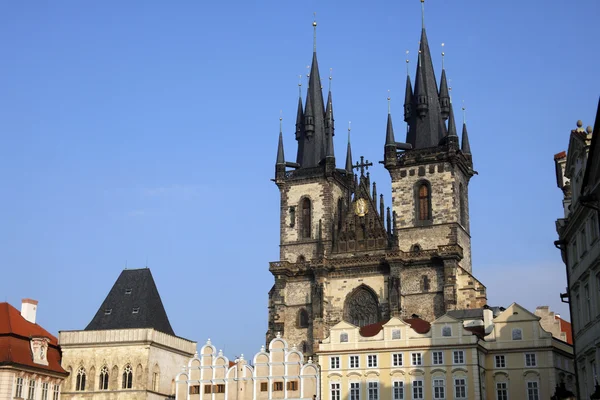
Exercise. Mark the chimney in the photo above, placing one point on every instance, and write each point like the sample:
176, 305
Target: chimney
29, 309
488, 323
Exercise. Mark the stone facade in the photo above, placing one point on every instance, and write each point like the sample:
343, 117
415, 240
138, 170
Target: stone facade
130, 364
483, 354
277, 373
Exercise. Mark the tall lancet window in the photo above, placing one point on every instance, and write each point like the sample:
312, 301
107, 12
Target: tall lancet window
306, 219
80, 382
424, 202
127, 377
463, 206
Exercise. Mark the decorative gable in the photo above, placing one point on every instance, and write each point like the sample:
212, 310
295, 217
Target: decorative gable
39, 350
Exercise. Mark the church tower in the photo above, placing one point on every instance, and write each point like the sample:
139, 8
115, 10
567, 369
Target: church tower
343, 254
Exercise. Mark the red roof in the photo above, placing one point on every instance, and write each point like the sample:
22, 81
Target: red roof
566, 328
372, 329
560, 155
419, 325
15, 335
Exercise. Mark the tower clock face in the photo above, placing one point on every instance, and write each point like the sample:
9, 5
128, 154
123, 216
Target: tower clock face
360, 207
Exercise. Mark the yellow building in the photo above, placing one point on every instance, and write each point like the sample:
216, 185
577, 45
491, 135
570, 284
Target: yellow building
279, 373
466, 354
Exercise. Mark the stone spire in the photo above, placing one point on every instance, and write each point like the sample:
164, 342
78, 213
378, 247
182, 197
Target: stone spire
466, 147
329, 125
300, 130
451, 123
349, 154
280, 155
444, 97
408, 100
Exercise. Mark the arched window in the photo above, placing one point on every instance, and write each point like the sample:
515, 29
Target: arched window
80, 380
463, 205
362, 307
426, 285
300, 259
415, 248
103, 378
156, 378
302, 318
127, 377
343, 337
423, 202
306, 219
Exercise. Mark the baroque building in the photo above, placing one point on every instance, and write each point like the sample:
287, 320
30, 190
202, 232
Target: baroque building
29, 356
578, 176
484, 353
278, 372
129, 350
343, 254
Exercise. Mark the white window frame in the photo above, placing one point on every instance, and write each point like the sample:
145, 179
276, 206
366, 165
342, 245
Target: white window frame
45, 388
335, 391
31, 389
370, 359
455, 387
537, 389
397, 357
350, 358
334, 362
433, 358
442, 395
505, 389
56, 392
396, 332
398, 384
531, 356
454, 353
413, 387
19, 382
373, 386
351, 389
497, 358
412, 359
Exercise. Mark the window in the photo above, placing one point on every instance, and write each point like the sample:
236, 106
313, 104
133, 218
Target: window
439, 389
135, 310
195, 389
292, 385
583, 241
588, 304
264, 386
425, 283
396, 334
573, 253
460, 388
108, 311
463, 205
397, 390
593, 227
45, 390
219, 388
31, 391
19, 388
207, 389
127, 377
417, 386
55, 393
501, 391
530, 360
437, 357
517, 334
533, 391
103, 384
373, 390
424, 202
458, 356
500, 362
80, 380
278, 387
397, 359
155, 381
343, 337
446, 331
306, 219
302, 318
354, 362
416, 359
372, 361
335, 391
127, 291
334, 362
354, 391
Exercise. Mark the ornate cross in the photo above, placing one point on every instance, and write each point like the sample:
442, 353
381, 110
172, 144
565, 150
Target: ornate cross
364, 164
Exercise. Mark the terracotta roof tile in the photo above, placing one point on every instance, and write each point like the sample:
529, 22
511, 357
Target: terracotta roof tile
419, 325
373, 329
560, 155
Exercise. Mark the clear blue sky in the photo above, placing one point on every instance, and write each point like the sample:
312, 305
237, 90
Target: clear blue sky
147, 130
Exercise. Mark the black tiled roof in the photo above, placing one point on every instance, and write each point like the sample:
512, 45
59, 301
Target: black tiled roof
133, 302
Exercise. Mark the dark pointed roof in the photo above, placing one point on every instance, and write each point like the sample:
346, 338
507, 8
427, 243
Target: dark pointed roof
452, 123
314, 146
466, 147
389, 133
408, 100
134, 290
330, 127
424, 125
280, 155
300, 131
349, 155
444, 97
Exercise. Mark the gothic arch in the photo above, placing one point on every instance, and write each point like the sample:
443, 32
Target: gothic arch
423, 211
305, 226
302, 318
361, 306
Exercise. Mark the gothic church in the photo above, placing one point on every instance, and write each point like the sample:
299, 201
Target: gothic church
343, 254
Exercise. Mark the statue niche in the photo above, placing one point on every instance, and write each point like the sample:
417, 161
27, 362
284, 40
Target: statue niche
361, 307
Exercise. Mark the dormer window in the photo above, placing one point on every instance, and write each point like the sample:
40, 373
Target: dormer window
107, 311
136, 310
127, 291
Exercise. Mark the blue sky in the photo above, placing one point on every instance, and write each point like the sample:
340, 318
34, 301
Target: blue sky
144, 133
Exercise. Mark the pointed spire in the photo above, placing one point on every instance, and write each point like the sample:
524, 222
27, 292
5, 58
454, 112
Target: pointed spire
280, 155
421, 92
444, 97
466, 147
374, 192
349, 153
300, 114
390, 140
451, 123
381, 208
408, 99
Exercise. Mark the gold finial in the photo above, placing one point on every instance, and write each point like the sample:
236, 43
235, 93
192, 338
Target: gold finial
407, 62
330, 77
389, 99
314, 24
464, 110
443, 54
